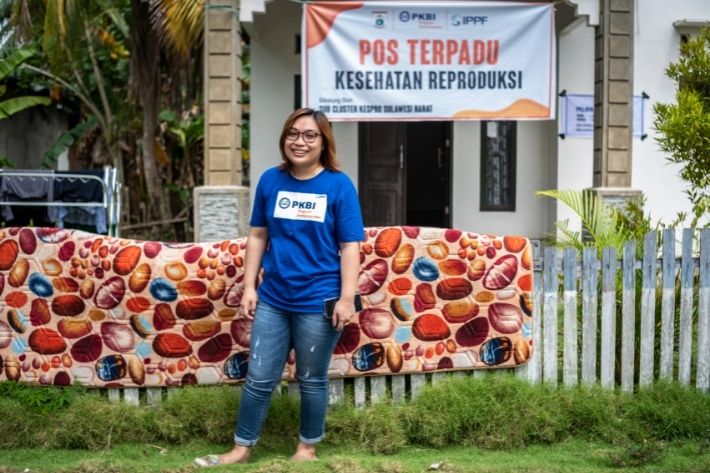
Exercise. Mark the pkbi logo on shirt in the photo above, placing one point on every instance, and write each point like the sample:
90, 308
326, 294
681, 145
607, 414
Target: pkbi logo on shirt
285, 203
301, 206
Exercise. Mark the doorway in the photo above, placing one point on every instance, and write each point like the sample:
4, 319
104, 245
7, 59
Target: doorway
405, 173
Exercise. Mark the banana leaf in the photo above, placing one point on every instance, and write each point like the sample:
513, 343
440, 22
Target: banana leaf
65, 140
11, 106
9, 63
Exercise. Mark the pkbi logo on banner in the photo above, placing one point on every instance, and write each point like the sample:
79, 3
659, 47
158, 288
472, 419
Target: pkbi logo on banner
409, 19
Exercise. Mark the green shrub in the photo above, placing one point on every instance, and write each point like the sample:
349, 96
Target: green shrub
496, 411
96, 424
378, 429
593, 413
199, 412
41, 399
668, 411
16, 425
283, 418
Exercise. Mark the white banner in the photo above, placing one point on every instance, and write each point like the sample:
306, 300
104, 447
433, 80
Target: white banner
448, 60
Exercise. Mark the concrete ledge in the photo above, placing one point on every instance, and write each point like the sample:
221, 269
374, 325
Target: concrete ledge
221, 212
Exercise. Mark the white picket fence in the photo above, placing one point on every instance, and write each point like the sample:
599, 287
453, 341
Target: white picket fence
594, 349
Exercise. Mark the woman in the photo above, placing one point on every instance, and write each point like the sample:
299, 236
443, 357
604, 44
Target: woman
305, 228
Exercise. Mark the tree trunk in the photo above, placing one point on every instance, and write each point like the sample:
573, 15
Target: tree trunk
145, 75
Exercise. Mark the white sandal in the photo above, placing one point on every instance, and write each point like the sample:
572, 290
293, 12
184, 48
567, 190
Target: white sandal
207, 460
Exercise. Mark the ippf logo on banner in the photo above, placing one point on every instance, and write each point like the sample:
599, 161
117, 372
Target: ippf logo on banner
468, 20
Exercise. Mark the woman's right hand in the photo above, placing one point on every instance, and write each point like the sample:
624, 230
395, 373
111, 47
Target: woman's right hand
248, 303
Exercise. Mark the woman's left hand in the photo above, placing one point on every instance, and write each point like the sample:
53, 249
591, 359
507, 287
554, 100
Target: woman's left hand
343, 312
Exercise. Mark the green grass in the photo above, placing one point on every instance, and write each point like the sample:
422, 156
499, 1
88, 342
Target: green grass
492, 424
567, 457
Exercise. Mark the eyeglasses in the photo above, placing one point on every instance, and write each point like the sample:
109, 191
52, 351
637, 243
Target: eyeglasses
309, 136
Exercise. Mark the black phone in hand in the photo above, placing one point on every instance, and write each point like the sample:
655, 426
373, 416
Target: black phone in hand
329, 305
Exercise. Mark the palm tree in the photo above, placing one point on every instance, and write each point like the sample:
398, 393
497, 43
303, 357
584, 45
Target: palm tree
145, 79
177, 25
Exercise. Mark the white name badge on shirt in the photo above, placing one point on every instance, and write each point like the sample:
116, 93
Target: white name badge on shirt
301, 206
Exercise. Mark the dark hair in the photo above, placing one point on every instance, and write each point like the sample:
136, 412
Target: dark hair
328, 158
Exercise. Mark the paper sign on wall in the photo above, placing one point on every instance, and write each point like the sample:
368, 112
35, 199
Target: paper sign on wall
577, 117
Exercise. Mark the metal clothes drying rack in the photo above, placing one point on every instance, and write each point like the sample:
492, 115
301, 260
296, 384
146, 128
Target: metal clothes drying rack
110, 186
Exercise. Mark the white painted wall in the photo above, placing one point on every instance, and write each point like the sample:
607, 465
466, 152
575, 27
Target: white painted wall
656, 46
346, 140
533, 172
274, 63
575, 156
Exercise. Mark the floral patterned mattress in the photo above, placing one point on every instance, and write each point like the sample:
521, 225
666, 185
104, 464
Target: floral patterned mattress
77, 307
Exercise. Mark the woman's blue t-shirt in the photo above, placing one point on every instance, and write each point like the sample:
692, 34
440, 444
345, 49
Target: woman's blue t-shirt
306, 221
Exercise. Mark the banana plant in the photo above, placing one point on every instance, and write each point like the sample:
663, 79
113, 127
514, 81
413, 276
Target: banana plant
8, 65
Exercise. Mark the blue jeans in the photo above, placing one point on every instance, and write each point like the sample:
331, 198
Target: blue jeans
274, 333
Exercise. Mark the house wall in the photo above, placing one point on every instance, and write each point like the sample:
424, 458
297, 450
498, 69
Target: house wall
656, 45
26, 136
532, 173
273, 65
575, 156
544, 161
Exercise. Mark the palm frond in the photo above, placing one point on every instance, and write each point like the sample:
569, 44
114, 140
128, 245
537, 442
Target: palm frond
586, 205
53, 33
568, 237
23, 20
604, 226
180, 23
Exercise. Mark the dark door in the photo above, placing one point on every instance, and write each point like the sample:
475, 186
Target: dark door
405, 173
382, 183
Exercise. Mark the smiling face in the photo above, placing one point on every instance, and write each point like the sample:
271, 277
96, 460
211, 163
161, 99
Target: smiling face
304, 156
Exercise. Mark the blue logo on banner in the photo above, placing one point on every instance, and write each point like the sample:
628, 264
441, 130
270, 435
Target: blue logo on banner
284, 203
466, 20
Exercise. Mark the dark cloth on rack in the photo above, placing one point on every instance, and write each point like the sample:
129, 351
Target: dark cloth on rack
28, 215
71, 198
38, 188
71, 189
92, 219
78, 190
